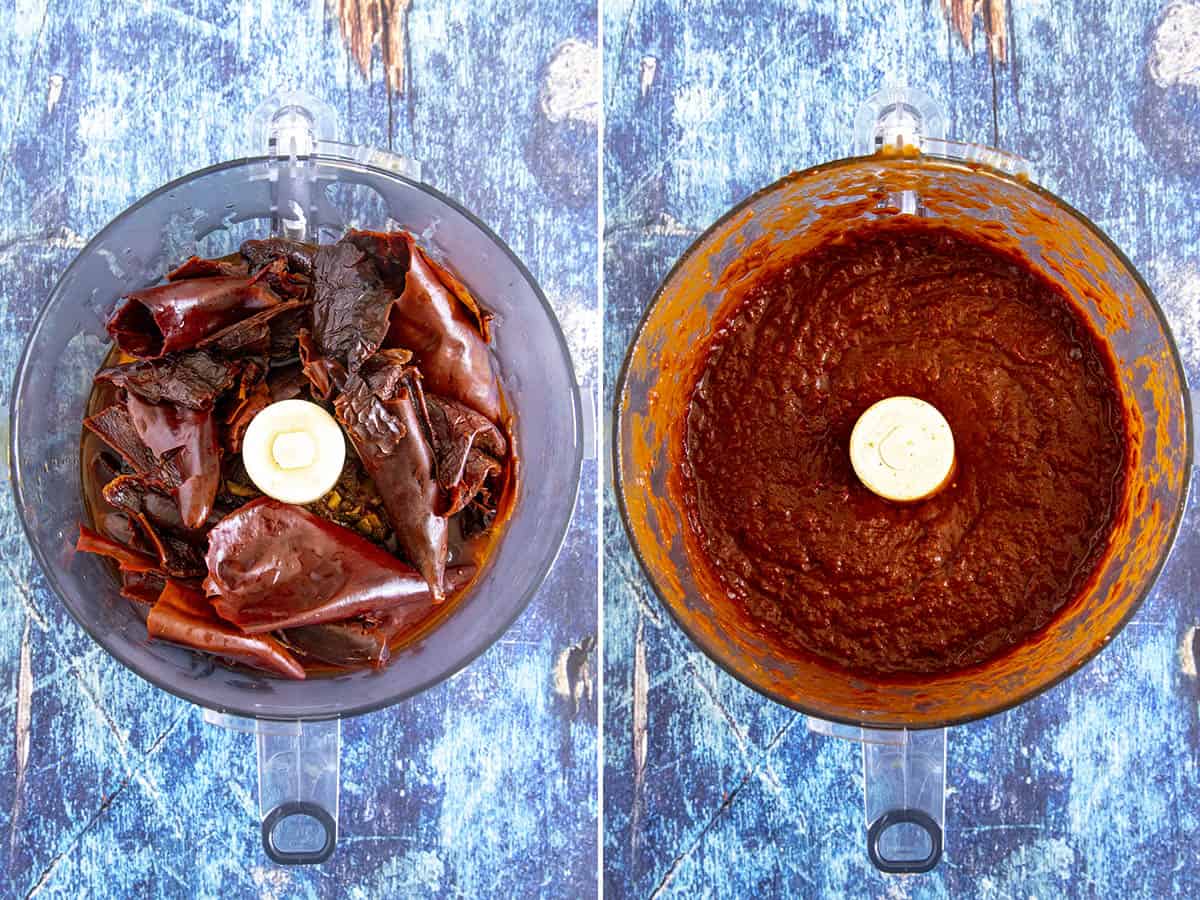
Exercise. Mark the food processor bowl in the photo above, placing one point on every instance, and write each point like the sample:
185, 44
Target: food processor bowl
984, 193
310, 188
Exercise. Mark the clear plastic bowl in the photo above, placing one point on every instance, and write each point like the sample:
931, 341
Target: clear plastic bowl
989, 194
210, 212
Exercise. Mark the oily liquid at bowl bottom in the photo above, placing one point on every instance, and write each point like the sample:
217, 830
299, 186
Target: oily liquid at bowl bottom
820, 565
97, 463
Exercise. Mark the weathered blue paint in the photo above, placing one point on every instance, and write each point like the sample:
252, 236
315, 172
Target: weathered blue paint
1089, 790
483, 786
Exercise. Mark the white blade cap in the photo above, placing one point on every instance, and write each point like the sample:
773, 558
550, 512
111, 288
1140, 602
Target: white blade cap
902, 449
294, 451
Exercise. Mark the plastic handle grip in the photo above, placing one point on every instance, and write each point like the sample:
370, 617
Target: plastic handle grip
897, 818
298, 785
904, 793
904, 798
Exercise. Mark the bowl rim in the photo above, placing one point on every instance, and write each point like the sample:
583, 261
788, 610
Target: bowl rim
502, 625
948, 162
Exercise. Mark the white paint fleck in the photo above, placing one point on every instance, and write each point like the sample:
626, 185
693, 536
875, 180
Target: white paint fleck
65, 238
45, 878
98, 122
24, 592
1175, 48
1045, 857
581, 326
641, 688
1177, 285
649, 71
23, 721
1187, 658
641, 684
272, 883
666, 225
699, 104
430, 870
58, 238
239, 793
574, 690
53, 92
571, 89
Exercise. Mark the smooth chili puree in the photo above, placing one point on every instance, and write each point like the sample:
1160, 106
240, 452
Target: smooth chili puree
819, 563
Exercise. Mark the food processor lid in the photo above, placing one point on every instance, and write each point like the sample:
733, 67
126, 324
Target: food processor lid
902, 120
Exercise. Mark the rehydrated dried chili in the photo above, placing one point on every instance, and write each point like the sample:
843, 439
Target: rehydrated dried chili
362, 326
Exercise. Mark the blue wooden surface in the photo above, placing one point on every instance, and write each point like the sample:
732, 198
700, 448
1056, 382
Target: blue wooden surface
483, 786
1089, 790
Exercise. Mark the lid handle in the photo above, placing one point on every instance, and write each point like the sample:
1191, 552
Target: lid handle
897, 117
291, 124
901, 120
295, 128
290, 127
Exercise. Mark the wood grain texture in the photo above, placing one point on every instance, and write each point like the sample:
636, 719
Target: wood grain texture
961, 14
710, 790
366, 24
483, 786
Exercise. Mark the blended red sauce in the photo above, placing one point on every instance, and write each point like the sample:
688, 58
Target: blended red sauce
821, 565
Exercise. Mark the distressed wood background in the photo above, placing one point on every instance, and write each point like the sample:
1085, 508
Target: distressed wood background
1089, 790
483, 786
